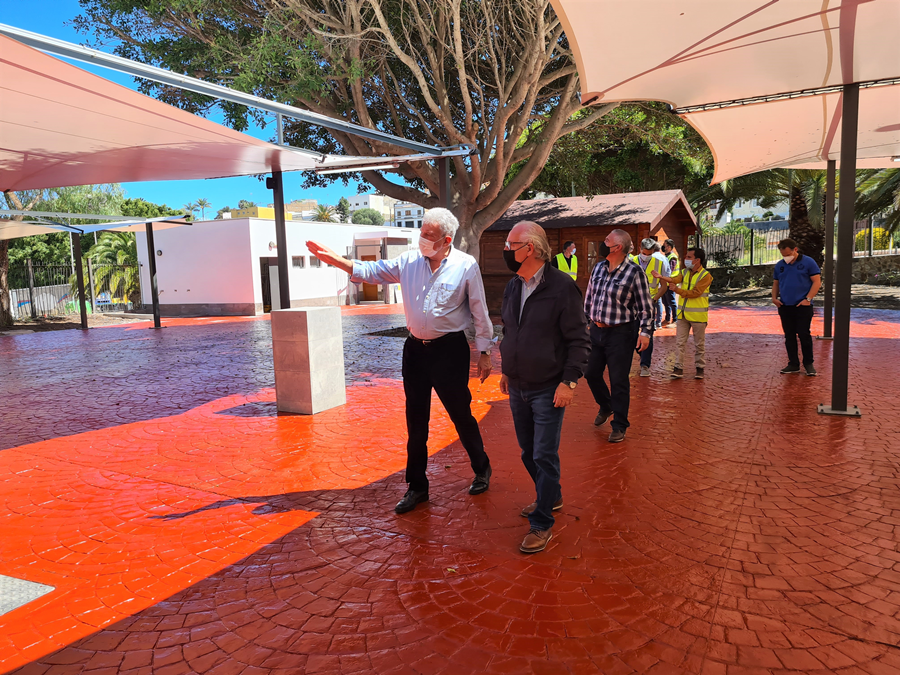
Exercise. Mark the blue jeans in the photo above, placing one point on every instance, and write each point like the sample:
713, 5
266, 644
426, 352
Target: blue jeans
538, 427
670, 301
660, 306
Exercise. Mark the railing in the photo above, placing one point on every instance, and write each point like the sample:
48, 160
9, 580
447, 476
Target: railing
760, 247
50, 290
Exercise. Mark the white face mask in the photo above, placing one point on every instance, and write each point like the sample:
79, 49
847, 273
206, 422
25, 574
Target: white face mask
644, 258
429, 248
689, 264
573, 252
788, 259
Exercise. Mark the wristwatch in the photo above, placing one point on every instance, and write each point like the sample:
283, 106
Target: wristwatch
570, 384
809, 300
486, 353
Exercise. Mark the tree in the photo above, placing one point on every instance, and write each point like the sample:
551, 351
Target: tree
445, 72
637, 147
141, 208
343, 210
191, 208
325, 214
803, 189
367, 217
17, 201
244, 204
203, 204
879, 196
221, 212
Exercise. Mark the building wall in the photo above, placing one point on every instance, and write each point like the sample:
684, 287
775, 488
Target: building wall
415, 216
213, 267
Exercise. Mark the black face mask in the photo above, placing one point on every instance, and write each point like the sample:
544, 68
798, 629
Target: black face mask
509, 257
604, 249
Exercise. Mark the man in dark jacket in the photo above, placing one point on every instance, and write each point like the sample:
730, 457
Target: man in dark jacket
544, 352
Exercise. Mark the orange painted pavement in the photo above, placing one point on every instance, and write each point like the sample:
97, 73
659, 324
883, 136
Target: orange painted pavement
214, 536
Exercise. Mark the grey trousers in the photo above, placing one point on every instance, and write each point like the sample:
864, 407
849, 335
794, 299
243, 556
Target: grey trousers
683, 328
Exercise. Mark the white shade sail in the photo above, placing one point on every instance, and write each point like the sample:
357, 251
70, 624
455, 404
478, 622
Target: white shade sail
60, 125
698, 52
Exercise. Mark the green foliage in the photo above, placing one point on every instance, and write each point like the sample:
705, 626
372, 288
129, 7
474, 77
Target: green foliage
367, 217
325, 214
636, 147
203, 204
879, 195
221, 212
141, 208
343, 209
114, 248
244, 204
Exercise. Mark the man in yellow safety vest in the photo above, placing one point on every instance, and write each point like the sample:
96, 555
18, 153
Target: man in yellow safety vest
566, 261
691, 285
670, 304
654, 265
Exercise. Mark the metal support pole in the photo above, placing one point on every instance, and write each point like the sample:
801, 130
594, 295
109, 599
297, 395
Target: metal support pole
276, 185
93, 288
31, 289
840, 360
752, 245
828, 310
443, 166
279, 127
75, 240
871, 237
154, 288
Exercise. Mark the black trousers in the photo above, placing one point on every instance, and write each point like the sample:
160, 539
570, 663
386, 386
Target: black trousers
442, 365
612, 349
795, 322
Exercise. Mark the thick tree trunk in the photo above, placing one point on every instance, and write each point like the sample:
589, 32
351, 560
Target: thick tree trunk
810, 239
6, 318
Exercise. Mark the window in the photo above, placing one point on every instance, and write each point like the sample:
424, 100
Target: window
420, 224
410, 223
408, 212
314, 261
298, 261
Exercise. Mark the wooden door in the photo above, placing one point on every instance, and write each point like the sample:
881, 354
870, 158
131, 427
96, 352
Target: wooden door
370, 291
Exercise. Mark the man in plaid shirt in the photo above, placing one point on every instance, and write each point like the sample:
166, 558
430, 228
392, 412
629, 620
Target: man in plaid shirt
620, 310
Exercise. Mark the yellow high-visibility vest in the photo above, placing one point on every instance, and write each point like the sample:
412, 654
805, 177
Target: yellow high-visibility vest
677, 267
693, 309
655, 264
569, 268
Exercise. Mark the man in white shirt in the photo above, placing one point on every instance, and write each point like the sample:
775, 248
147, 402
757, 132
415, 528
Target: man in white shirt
442, 294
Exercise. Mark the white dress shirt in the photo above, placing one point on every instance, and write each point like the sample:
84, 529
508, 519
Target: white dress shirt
435, 303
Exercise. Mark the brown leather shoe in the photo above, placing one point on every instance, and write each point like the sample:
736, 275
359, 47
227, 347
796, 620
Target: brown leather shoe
536, 541
528, 510
616, 436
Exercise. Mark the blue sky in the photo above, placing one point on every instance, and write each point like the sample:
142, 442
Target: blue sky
53, 18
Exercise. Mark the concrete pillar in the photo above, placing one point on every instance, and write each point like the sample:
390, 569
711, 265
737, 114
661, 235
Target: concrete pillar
308, 350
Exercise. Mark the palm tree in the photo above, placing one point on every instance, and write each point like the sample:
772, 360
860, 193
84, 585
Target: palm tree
325, 214
191, 208
803, 189
878, 194
203, 204
114, 248
115, 266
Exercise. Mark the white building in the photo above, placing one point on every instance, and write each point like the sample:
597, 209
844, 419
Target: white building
407, 214
381, 203
230, 267
750, 208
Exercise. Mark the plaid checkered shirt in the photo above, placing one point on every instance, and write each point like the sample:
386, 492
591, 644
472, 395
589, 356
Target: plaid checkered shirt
619, 296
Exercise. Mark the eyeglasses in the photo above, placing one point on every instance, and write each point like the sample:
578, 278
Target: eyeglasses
508, 245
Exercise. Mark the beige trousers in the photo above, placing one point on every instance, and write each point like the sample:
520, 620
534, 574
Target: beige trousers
683, 328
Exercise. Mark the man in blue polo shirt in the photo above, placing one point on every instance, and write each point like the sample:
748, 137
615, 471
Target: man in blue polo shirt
797, 279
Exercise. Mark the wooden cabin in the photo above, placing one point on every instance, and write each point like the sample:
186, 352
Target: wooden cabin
663, 215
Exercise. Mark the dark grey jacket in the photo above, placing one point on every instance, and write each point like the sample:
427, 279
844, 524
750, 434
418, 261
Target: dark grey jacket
550, 342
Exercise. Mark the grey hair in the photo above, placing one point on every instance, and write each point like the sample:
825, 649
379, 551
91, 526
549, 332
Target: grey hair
622, 237
534, 234
444, 219
650, 244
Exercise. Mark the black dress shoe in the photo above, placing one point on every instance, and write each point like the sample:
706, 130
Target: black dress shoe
410, 499
601, 418
481, 483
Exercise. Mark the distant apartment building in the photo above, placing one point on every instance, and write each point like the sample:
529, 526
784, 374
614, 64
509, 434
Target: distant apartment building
747, 209
407, 214
267, 212
381, 203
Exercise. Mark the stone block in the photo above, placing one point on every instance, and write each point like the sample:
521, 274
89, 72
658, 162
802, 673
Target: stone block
308, 354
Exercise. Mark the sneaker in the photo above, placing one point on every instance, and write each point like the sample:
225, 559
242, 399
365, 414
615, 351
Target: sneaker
811, 370
601, 418
481, 483
790, 369
616, 436
645, 371
410, 500
536, 540
528, 510
699, 375
677, 373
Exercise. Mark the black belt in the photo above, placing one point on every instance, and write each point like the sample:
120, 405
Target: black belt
428, 342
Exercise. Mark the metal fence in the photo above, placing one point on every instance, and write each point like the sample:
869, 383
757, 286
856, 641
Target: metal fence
50, 290
760, 247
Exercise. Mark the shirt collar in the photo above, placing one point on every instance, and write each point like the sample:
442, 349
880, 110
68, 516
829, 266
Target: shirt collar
535, 279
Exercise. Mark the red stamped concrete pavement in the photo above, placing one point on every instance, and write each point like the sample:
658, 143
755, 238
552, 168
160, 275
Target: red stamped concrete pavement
186, 527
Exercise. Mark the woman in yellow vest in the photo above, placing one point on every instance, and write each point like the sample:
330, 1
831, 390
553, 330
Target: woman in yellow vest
566, 261
692, 287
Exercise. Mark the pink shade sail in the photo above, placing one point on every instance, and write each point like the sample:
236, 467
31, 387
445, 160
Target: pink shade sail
800, 133
61, 126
